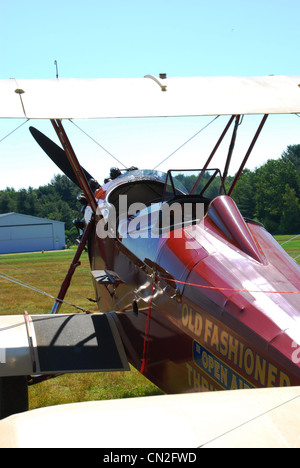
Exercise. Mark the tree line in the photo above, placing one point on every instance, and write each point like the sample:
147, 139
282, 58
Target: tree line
269, 194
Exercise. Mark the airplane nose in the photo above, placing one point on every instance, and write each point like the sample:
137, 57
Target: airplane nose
249, 310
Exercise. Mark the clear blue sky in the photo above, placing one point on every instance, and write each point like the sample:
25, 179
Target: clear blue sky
132, 38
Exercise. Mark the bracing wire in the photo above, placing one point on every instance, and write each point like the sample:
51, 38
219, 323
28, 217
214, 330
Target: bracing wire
186, 142
248, 421
13, 131
116, 159
39, 291
40, 278
97, 143
289, 240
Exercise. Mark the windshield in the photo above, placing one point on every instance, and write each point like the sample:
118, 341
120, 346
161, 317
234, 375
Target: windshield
204, 183
140, 174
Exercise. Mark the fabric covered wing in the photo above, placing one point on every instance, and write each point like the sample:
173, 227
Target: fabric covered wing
148, 97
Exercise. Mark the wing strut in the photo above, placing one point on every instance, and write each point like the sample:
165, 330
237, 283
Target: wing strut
248, 154
60, 131
231, 148
212, 154
75, 263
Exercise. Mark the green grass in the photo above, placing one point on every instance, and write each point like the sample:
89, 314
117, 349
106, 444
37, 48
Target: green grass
74, 388
290, 245
46, 271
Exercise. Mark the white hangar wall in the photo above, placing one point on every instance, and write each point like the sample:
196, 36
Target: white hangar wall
23, 233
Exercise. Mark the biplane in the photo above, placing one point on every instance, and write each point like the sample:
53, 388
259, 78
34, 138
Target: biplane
191, 293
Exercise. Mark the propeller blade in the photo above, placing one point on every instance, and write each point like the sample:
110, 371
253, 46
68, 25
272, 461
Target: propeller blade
57, 155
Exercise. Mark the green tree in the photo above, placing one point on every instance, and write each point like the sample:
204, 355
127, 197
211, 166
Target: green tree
270, 186
66, 190
244, 194
5, 203
23, 203
290, 218
292, 154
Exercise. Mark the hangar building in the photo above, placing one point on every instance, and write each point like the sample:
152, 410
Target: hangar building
23, 233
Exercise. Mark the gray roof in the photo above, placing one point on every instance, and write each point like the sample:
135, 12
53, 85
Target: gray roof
25, 218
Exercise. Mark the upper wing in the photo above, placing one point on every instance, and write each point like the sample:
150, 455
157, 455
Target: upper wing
11, 106
148, 97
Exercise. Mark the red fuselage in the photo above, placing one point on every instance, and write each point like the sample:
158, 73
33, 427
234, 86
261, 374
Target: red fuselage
213, 305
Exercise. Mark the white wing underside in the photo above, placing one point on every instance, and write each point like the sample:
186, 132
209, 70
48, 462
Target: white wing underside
148, 97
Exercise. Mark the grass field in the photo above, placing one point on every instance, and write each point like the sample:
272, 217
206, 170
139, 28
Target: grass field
45, 271
291, 246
